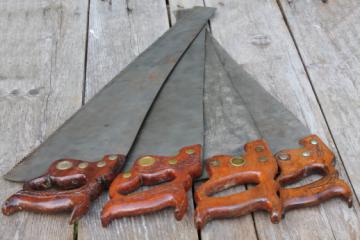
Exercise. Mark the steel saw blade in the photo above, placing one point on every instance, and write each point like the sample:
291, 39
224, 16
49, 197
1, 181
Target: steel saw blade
109, 123
265, 116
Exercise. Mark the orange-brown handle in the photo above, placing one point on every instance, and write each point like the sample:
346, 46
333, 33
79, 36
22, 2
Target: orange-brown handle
315, 193
67, 185
313, 157
296, 164
257, 166
178, 173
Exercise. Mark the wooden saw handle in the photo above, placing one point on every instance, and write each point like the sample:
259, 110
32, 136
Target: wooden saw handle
257, 166
178, 173
296, 164
312, 194
67, 185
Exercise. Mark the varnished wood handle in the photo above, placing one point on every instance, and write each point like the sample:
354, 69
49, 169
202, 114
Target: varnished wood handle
67, 185
178, 173
315, 193
296, 164
260, 167
257, 166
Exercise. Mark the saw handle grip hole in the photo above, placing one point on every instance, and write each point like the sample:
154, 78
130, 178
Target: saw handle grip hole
152, 184
145, 183
308, 179
228, 187
233, 190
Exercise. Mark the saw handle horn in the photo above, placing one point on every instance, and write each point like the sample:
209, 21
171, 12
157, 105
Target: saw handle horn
173, 174
257, 166
67, 185
296, 164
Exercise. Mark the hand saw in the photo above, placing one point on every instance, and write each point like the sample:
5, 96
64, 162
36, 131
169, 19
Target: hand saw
175, 122
271, 158
109, 123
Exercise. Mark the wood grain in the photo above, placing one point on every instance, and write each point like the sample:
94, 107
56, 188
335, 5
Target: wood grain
68, 189
256, 36
175, 5
41, 81
173, 177
119, 31
328, 38
226, 171
41, 73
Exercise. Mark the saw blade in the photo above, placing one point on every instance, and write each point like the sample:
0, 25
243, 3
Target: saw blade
266, 115
217, 110
109, 122
176, 117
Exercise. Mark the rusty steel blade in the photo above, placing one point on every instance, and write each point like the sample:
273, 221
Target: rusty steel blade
176, 117
263, 116
109, 122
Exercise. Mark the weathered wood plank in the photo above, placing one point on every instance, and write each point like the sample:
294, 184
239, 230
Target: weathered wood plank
118, 32
175, 5
327, 36
256, 36
41, 74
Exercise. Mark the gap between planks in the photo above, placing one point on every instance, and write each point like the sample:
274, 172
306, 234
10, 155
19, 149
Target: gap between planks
316, 96
317, 212
83, 96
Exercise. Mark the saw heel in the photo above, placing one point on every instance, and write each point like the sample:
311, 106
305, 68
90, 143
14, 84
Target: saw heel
177, 172
296, 164
257, 166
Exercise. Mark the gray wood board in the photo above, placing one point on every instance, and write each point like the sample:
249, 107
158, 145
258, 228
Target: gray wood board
118, 32
41, 82
327, 36
256, 36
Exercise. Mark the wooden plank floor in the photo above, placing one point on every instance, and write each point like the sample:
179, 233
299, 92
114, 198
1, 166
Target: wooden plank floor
56, 54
